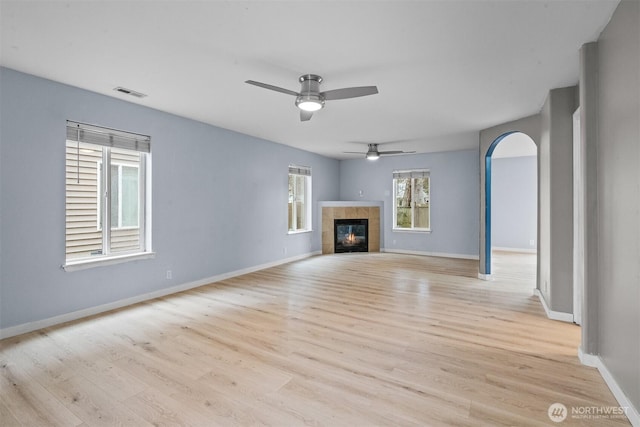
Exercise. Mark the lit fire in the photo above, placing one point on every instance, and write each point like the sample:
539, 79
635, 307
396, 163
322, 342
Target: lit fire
350, 239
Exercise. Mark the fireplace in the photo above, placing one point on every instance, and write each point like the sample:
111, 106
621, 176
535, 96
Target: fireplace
332, 210
351, 235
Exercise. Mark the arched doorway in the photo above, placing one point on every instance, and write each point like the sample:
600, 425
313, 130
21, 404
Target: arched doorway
514, 227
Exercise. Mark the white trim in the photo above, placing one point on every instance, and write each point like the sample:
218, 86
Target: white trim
106, 260
300, 231
487, 277
596, 361
307, 202
146, 201
348, 204
587, 359
519, 250
91, 311
553, 315
436, 254
632, 412
579, 209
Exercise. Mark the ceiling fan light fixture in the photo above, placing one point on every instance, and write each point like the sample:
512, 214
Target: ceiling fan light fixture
373, 153
310, 99
309, 102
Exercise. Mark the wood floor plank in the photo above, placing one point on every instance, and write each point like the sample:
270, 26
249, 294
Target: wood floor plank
343, 340
159, 409
94, 406
7, 418
29, 402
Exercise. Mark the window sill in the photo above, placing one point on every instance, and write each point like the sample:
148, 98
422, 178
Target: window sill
299, 231
410, 230
111, 260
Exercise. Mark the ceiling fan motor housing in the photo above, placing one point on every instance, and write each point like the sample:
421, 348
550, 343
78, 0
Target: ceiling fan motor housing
310, 82
310, 98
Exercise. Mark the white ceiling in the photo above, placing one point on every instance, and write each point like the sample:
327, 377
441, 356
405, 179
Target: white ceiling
444, 69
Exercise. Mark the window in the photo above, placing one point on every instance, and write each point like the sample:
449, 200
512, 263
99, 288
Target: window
299, 199
411, 200
106, 221
125, 199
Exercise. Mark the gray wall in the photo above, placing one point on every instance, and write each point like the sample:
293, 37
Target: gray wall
514, 202
555, 200
219, 200
544, 203
552, 131
588, 230
454, 199
556, 163
618, 190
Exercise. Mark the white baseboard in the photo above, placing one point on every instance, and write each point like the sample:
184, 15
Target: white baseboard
623, 400
519, 250
75, 315
595, 361
436, 254
590, 360
553, 315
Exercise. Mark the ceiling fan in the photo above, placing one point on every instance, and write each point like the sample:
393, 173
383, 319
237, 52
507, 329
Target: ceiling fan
310, 99
374, 154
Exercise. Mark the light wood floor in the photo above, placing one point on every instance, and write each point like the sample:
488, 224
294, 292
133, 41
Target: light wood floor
336, 340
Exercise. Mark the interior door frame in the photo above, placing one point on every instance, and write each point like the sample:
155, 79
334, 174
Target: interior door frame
578, 219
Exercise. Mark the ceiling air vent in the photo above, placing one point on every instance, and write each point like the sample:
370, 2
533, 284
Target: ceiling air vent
129, 92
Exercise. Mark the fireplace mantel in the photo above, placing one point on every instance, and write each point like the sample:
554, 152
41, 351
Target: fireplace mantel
330, 210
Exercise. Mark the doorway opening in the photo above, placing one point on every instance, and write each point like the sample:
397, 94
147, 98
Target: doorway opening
511, 215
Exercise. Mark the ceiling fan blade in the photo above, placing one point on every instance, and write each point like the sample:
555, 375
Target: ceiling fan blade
353, 152
386, 153
305, 115
271, 87
349, 92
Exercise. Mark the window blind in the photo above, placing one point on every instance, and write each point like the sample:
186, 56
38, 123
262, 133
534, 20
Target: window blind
300, 170
417, 173
90, 134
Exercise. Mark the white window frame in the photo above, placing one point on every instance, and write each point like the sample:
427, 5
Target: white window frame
99, 197
304, 171
114, 138
412, 174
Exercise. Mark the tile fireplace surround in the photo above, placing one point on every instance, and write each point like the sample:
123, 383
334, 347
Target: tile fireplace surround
350, 210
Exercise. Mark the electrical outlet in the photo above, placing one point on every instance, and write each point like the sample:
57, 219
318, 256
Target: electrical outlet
284, 250
169, 275
532, 242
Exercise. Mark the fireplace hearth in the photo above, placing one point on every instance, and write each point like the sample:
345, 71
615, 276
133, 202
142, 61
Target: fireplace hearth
351, 235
